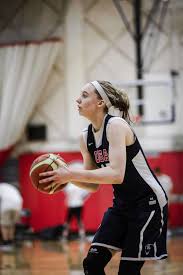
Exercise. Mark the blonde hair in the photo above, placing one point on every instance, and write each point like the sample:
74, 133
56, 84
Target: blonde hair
118, 98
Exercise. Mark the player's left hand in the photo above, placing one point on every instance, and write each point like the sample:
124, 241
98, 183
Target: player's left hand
58, 176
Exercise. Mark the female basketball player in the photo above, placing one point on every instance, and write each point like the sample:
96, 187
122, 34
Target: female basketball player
137, 221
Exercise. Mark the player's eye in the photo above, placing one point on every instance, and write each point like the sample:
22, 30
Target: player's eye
84, 95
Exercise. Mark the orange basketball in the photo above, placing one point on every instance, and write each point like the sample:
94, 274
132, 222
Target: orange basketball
44, 163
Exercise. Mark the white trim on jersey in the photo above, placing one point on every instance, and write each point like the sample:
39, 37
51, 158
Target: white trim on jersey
144, 171
141, 166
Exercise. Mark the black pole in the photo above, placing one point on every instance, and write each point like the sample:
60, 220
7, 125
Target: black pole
138, 40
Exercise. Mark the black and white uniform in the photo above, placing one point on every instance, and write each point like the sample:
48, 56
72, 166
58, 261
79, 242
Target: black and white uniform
137, 221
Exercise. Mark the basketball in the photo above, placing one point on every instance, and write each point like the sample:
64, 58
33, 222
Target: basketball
44, 163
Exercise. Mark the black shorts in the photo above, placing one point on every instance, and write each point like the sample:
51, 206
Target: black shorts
74, 212
139, 233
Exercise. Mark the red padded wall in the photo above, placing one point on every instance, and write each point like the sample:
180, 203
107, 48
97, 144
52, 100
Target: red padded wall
171, 163
50, 210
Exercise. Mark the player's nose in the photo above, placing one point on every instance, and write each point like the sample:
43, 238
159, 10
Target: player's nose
78, 100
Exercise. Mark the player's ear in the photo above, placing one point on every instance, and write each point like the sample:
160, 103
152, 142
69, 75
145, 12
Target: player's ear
101, 103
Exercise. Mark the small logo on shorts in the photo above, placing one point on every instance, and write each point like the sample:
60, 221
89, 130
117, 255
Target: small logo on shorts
152, 201
148, 248
93, 250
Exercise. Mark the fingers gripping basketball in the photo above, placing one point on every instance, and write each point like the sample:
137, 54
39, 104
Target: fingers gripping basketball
44, 163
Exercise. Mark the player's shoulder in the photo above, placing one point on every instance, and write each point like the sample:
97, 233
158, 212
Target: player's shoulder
117, 122
116, 119
83, 138
84, 133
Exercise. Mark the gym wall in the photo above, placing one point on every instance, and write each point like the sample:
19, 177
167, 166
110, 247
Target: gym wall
50, 210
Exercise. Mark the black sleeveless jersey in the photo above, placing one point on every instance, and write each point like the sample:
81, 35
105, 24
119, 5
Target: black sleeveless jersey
139, 182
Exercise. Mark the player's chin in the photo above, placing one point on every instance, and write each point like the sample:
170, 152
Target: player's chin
80, 112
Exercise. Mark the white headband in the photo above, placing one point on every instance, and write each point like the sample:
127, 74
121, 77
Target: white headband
111, 109
102, 93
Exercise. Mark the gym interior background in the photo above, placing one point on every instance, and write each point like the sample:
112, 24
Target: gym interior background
49, 49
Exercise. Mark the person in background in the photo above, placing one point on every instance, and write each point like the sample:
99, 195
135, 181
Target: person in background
165, 181
75, 199
10, 209
167, 185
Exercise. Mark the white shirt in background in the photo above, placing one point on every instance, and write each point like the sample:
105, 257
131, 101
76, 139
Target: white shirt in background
75, 195
166, 183
10, 197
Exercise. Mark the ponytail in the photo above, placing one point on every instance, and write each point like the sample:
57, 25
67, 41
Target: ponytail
118, 98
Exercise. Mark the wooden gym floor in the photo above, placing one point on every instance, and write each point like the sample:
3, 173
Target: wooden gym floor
54, 258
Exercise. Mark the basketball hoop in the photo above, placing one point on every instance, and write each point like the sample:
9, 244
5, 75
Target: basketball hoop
158, 98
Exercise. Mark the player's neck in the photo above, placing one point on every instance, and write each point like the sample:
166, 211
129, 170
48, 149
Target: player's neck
97, 122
